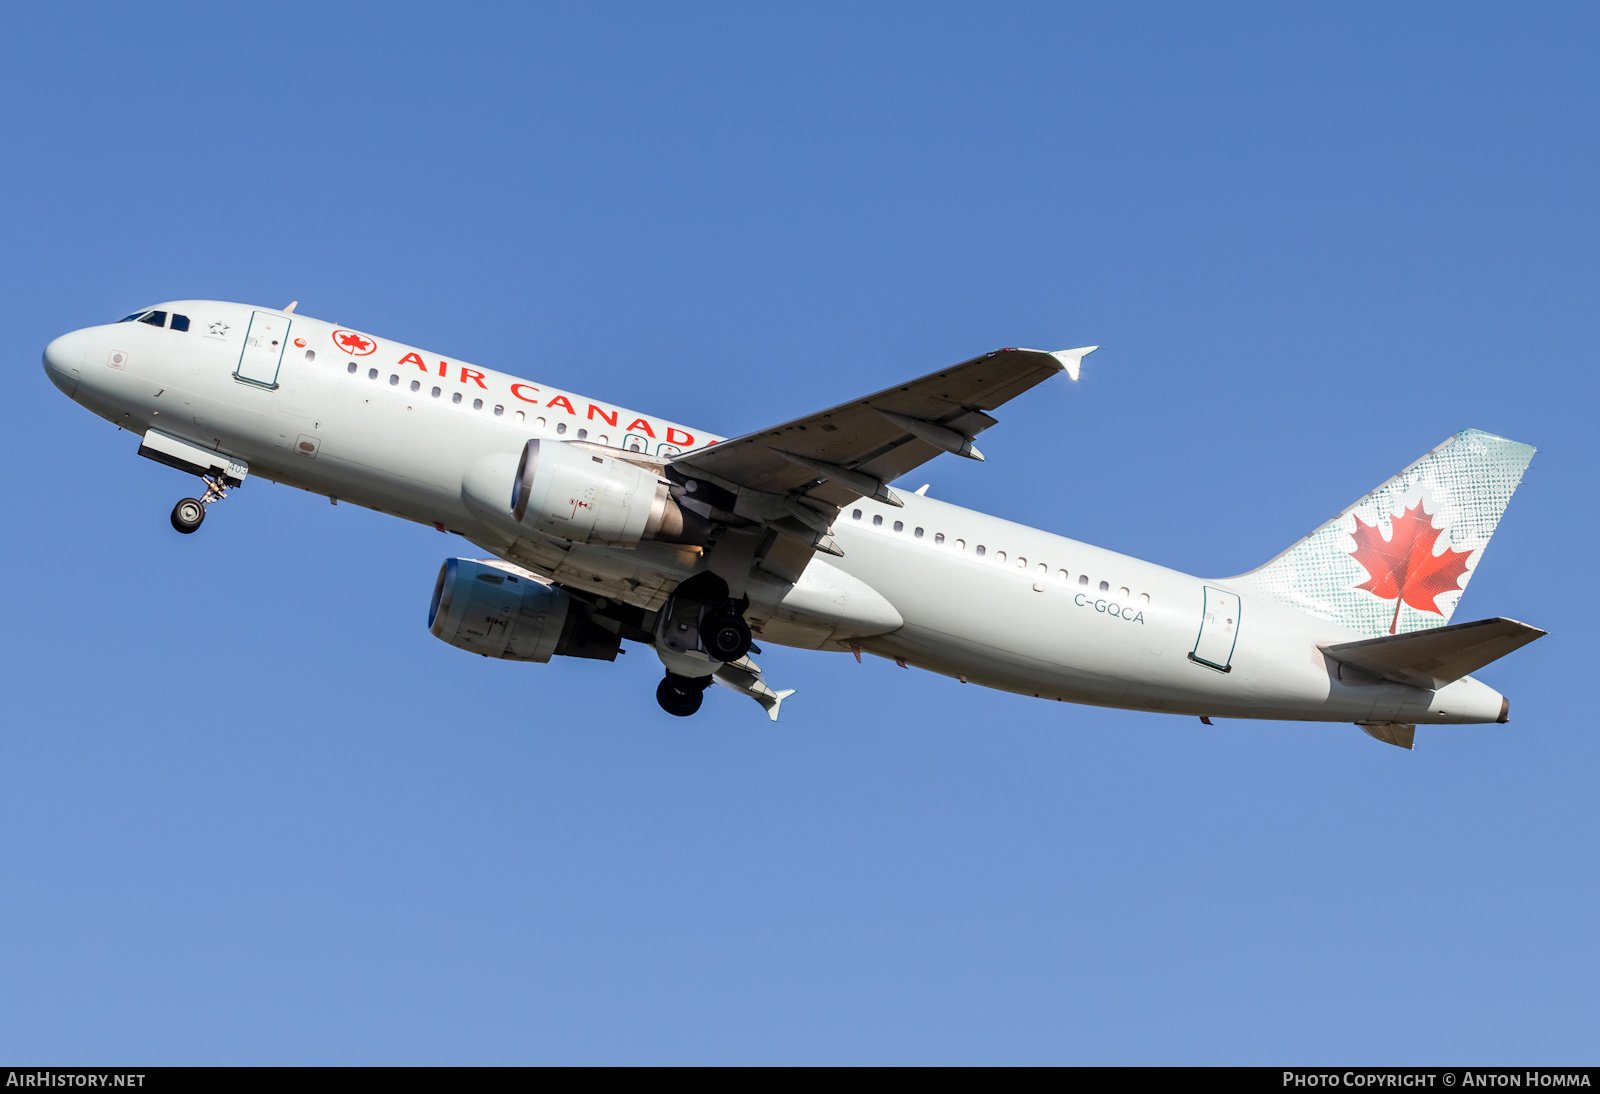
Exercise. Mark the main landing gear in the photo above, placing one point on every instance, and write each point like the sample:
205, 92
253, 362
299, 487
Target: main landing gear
724, 633
188, 514
699, 632
681, 696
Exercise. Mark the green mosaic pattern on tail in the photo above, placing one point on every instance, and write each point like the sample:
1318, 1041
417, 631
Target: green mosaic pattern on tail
1463, 486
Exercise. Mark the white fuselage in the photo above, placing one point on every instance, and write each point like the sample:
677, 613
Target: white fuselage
390, 427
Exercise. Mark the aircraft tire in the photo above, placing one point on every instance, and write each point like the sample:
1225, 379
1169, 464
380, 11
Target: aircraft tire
187, 515
677, 699
726, 637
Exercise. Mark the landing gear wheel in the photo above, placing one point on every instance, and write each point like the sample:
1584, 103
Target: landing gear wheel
725, 637
187, 515
681, 696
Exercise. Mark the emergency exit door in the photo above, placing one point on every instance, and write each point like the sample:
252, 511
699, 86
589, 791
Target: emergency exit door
1219, 630
263, 349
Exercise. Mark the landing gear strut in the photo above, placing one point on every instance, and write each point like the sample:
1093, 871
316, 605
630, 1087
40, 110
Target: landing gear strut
188, 514
681, 695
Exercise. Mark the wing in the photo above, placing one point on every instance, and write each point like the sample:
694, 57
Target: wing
795, 477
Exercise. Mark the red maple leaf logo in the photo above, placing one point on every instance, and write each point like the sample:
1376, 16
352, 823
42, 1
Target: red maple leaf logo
353, 341
1404, 568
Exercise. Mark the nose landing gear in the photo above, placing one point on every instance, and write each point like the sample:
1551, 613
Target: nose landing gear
188, 514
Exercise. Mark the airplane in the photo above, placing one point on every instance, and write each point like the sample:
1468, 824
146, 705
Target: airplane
606, 525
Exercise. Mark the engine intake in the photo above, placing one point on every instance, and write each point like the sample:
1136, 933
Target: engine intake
573, 494
486, 609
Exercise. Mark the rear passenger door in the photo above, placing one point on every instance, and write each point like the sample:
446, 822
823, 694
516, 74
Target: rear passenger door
263, 349
1219, 630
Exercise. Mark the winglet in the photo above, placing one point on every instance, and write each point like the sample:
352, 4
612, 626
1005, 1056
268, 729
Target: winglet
773, 701
1072, 359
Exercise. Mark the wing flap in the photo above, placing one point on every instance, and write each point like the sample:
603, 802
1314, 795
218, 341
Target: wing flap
1433, 658
855, 449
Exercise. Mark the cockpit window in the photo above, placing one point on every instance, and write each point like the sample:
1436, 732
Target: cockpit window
180, 322
131, 318
154, 318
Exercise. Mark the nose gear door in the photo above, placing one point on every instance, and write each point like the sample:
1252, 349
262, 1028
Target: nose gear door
1219, 630
263, 349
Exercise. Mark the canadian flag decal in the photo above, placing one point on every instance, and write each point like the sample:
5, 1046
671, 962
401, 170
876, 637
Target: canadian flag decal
1403, 568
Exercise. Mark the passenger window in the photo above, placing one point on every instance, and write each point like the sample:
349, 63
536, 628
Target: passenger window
877, 521
1022, 563
961, 545
856, 515
477, 404
311, 354
999, 556
435, 393
1083, 579
561, 427
583, 434
456, 398
899, 526
394, 379
351, 369
154, 318
1105, 586
499, 410
938, 537
372, 374
1144, 598
1124, 593
181, 322
1043, 569
979, 550
539, 422
521, 417
918, 533
603, 439
1063, 575
416, 385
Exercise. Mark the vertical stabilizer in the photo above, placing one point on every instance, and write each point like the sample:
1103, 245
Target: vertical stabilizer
1398, 559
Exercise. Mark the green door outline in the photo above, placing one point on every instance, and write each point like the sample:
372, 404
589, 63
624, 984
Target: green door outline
264, 343
1219, 630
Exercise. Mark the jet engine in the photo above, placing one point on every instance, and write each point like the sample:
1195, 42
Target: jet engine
486, 609
574, 494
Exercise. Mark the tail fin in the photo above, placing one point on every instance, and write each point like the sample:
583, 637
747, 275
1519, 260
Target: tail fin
1398, 559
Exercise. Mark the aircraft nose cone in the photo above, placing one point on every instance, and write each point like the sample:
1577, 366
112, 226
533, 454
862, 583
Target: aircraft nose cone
63, 360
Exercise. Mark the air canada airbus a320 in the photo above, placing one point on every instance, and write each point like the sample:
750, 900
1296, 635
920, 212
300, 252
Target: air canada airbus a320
608, 525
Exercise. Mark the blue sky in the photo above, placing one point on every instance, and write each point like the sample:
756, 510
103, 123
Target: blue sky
254, 812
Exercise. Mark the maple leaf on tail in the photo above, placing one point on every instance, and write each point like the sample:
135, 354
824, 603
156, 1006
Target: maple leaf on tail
1404, 568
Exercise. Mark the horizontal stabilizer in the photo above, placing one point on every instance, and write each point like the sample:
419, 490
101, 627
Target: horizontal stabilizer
1403, 734
1433, 658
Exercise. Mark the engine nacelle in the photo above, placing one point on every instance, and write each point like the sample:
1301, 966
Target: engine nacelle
574, 494
483, 608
